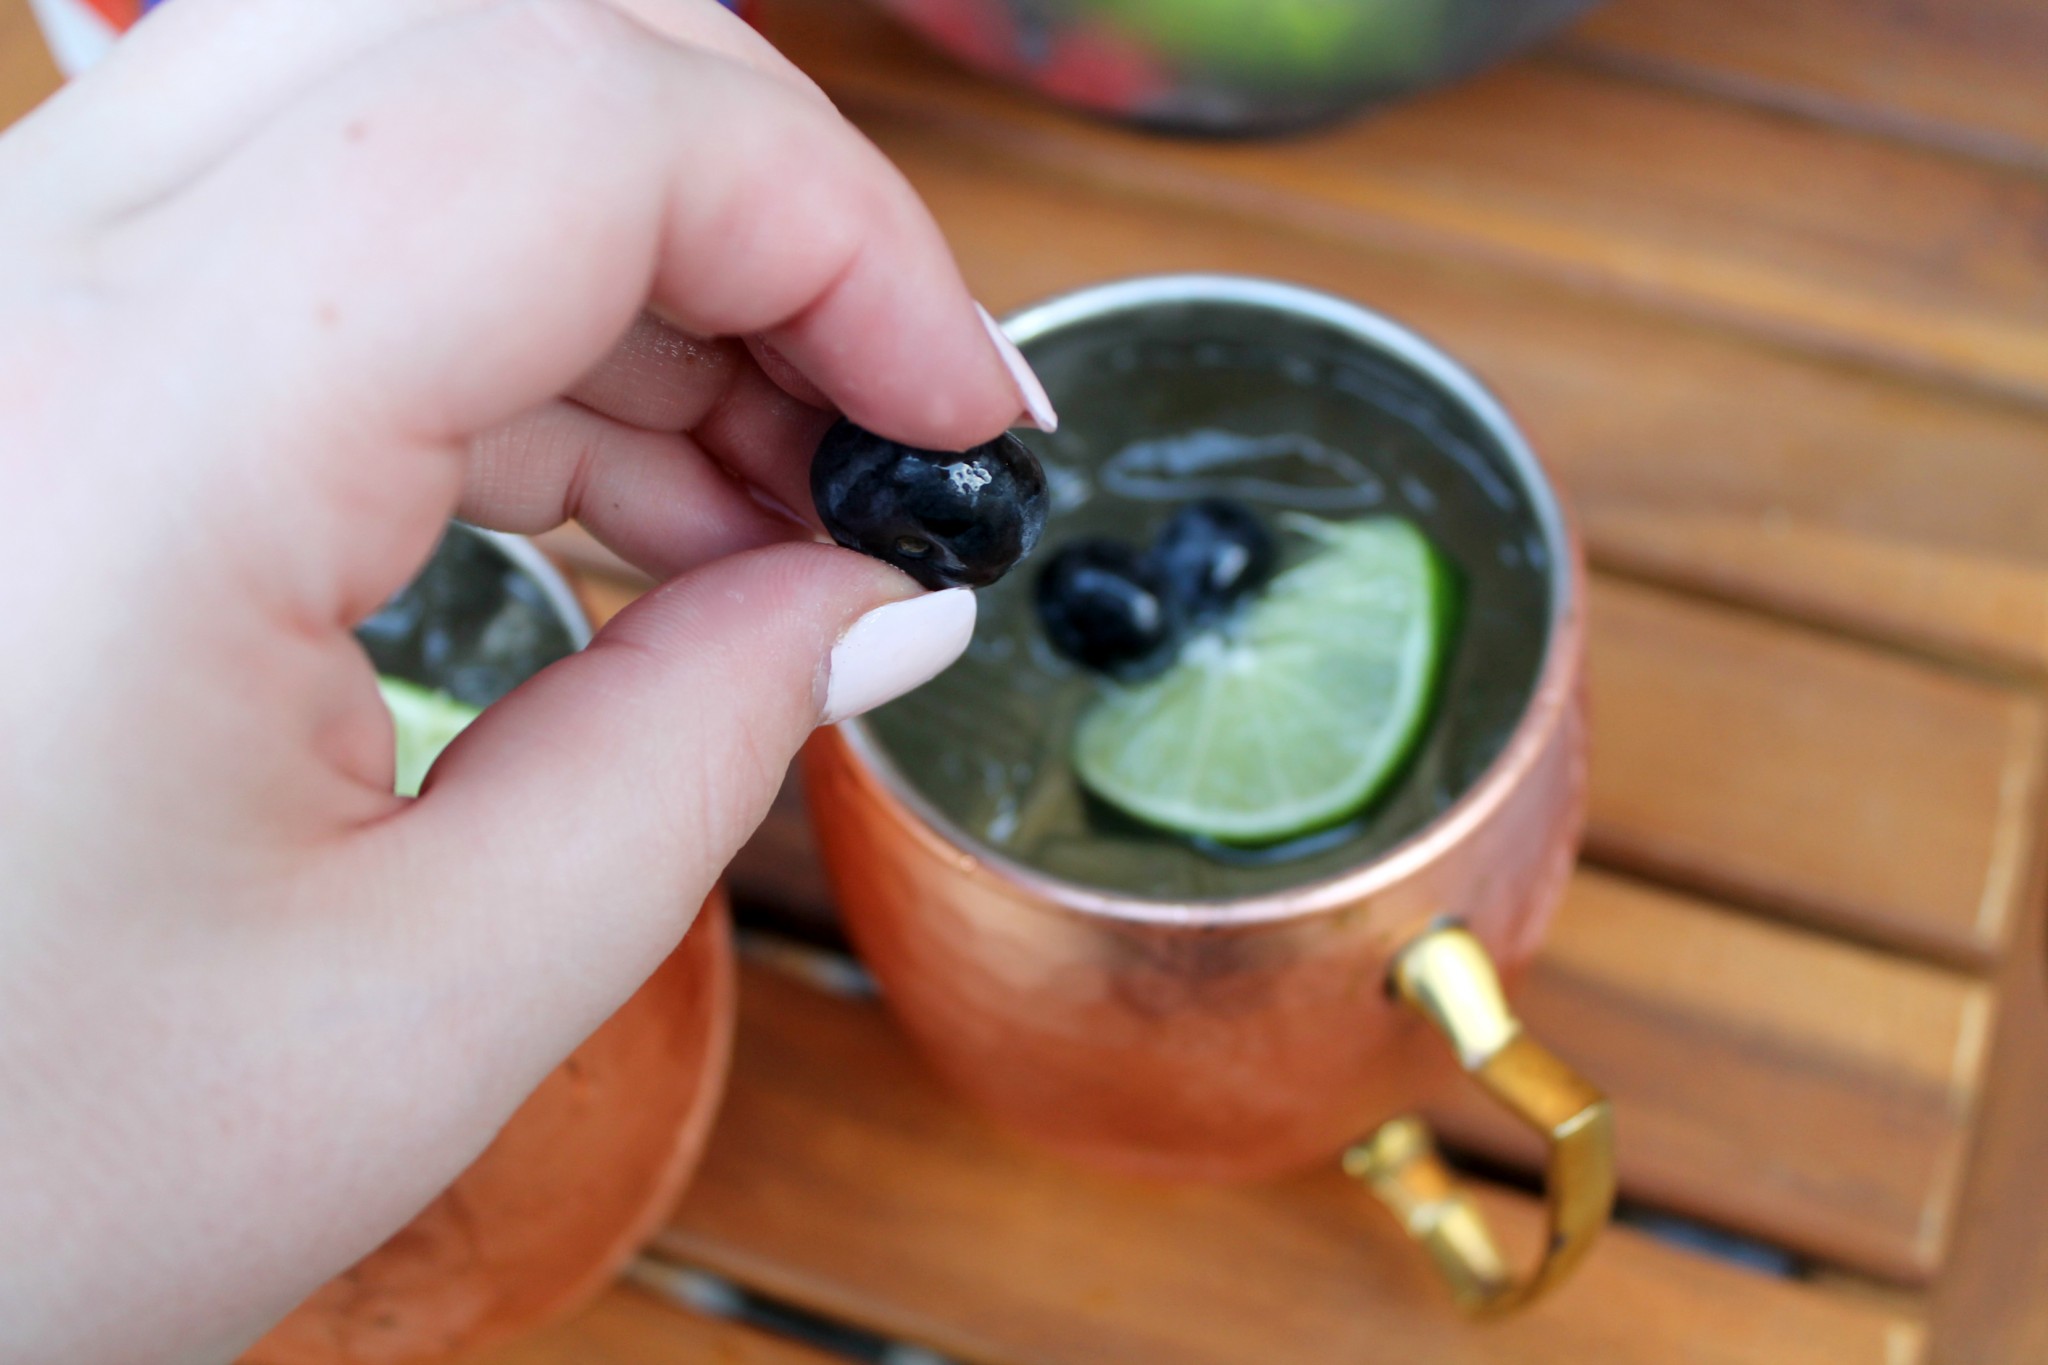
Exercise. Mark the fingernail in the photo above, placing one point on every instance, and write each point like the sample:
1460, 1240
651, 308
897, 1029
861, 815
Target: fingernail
894, 648
1036, 405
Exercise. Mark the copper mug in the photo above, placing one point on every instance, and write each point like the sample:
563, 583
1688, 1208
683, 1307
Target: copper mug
1241, 1039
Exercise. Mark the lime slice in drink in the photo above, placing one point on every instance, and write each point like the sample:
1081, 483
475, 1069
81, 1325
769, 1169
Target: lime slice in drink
426, 721
1298, 712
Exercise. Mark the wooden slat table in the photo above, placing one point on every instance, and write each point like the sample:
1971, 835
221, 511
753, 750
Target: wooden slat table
1767, 282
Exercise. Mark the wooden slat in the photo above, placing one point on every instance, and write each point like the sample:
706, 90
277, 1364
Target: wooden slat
1962, 74
1804, 1090
1853, 789
841, 1179
1636, 413
1979, 609
627, 1327
26, 75
1796, 230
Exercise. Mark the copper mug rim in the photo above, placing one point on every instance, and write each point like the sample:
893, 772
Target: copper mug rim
1544, 710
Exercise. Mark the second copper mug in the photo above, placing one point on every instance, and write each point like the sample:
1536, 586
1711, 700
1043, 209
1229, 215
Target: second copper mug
1239, 1039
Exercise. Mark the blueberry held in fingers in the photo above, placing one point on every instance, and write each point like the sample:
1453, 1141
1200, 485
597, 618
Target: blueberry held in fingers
1103, 606
1211, 553
948, 518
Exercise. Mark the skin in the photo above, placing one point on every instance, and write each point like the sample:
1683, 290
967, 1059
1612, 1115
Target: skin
282, 287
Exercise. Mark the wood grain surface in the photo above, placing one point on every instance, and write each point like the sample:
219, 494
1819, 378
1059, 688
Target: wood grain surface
1976, 609
841, 1177
1852, 788
1959, 74
1638, 413
1791, 229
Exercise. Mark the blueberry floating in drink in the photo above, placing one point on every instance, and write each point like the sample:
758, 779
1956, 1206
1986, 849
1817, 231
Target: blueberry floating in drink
948, 518
1112, 607
1211, 553
1103, 605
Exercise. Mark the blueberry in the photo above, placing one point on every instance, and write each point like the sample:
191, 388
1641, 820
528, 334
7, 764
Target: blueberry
1103, 606
949, 519
1210, 554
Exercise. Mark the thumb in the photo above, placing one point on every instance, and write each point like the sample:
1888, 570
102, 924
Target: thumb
567, 838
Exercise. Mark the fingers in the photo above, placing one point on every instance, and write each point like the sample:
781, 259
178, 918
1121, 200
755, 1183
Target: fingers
766, 438
475, 221
653, 497
199, 79
660, 377
748, 408
565, 839
463, 227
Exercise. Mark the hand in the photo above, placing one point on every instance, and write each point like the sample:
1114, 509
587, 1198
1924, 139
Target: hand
282, 287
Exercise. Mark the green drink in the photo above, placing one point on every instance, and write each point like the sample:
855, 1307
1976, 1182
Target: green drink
1293, 419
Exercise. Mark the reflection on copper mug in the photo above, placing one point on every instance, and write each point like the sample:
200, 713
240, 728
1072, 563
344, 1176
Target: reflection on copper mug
1239, 1039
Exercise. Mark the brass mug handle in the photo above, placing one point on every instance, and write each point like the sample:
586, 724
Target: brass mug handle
1446, 976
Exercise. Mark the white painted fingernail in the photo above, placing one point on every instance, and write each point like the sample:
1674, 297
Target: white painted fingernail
894, 648
1036, 405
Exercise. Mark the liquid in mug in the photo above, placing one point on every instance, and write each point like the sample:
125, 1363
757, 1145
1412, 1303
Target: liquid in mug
1311, 426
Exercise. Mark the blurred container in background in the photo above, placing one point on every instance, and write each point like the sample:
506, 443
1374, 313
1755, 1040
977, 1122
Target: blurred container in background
1231, 66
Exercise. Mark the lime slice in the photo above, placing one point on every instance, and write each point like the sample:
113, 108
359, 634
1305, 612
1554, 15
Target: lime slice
426, 721
1297, 713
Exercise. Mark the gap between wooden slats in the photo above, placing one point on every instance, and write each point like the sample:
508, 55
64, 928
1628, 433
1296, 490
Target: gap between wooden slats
1850, 245
840, 1179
